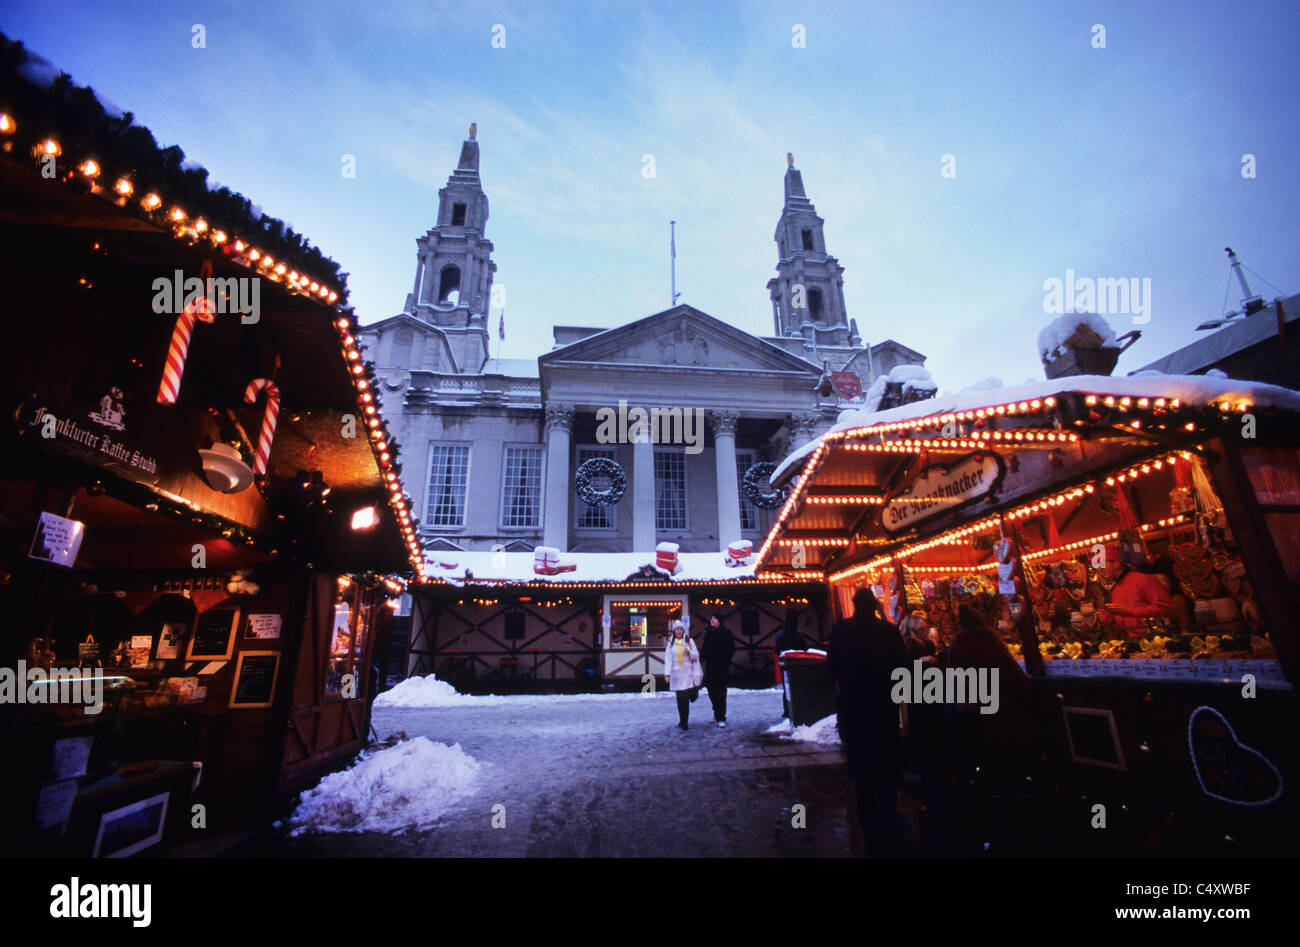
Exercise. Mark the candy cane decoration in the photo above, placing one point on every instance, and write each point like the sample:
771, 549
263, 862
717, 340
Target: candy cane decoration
267, 433
169, 388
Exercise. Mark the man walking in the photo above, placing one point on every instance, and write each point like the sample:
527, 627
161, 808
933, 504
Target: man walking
716, 651
864, 651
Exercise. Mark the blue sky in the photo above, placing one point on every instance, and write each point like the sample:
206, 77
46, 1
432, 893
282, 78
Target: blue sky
1116, 162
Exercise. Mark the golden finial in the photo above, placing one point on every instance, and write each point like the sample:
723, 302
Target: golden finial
473, 130
789, 159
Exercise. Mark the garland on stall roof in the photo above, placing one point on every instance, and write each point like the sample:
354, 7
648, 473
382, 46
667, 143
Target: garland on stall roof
756, 486
600, 468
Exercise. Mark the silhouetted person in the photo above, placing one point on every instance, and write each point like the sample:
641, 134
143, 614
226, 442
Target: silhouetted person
716, 650
864, 651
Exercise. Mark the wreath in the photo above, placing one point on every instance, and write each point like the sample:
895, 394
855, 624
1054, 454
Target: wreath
756, 486
600, 468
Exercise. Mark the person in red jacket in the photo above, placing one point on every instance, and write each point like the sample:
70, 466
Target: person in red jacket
1135, 596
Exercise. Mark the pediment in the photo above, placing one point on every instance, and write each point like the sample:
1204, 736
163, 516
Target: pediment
681, 337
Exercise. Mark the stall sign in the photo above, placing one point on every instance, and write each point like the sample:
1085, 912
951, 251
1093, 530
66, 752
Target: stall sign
57, 540
98, 435
940, 489
846, 384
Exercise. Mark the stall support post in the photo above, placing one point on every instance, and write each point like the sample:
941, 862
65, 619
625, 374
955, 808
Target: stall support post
1277, 604
1028, 636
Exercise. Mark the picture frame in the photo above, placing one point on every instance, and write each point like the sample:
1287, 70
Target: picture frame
131, 828
1088, 735
214, 635
254, 684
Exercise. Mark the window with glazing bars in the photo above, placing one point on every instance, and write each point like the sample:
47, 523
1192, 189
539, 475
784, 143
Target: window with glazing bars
594, 517
448, 475
670, 489
748, 512
522, 490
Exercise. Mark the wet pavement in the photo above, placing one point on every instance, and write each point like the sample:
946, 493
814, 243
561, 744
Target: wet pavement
613, 776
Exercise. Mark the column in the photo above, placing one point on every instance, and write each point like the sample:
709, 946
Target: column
419, 272
559, 424
643, 495
724, 450
429, 286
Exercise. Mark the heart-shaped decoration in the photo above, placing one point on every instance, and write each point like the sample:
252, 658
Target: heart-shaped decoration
1226, 768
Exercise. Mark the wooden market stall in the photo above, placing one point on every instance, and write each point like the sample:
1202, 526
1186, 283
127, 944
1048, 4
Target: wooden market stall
201, 519
488, 621
1135, 542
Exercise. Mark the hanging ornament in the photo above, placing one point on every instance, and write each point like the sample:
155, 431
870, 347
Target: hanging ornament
756, 489
169, 387
600, 482
267, 433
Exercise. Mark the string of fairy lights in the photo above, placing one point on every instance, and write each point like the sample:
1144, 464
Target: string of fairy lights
198, 230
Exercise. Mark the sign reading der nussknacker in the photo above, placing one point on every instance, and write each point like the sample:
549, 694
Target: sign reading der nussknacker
940, 489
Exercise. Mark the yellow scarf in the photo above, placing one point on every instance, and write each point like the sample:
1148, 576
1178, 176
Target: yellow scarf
681, 649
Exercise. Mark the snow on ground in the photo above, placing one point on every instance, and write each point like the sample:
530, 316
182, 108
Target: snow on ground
423, 692
824, 731
410, 785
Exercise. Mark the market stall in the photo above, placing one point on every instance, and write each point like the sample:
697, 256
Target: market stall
1134, 541
201, 519
485, 620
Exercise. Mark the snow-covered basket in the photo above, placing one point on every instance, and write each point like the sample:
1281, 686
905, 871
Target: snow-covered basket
1081, 343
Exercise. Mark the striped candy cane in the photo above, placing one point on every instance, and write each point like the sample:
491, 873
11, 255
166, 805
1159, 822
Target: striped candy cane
267, 433
169, 388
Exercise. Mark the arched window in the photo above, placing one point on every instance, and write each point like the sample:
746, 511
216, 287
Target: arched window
448, 283
816, 308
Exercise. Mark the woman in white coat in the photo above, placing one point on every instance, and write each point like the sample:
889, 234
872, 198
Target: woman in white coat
682, 665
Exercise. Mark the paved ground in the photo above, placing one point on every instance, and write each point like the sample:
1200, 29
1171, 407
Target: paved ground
611, 776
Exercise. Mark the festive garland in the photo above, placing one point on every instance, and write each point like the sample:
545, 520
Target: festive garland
600, 467
756, 486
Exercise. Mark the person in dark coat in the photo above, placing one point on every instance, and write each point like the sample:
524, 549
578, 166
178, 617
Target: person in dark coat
985, 748
717, 649
864, 651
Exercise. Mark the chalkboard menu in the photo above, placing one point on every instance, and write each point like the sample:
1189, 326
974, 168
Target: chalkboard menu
255, 679
214, 635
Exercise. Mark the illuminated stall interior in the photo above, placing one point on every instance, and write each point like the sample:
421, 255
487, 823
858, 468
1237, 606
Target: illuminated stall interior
1103, 486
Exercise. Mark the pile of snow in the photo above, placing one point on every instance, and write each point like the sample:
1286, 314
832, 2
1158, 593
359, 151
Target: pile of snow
824, 731
1051, 341
407, 786
424, 692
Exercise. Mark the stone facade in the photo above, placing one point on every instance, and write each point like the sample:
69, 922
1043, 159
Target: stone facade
490, 446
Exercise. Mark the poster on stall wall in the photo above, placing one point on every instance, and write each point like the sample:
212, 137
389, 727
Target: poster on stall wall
57, 540
262, 627
169, 645
141, 645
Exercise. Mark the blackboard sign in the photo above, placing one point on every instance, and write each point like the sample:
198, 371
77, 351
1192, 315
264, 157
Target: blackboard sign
214, 635
1093, 737
255, 679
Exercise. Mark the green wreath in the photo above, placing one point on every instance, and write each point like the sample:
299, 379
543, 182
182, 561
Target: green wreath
600, 467
756, 486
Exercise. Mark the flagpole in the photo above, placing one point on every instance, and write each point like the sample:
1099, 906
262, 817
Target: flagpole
672, 253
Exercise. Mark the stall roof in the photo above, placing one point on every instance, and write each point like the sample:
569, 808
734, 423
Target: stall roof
1190, 389
120, 195
601, 567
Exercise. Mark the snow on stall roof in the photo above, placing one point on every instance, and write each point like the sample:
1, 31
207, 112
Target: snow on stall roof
407, 786
1190, 389
592, 567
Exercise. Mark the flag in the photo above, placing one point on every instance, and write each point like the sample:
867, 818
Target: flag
501, 327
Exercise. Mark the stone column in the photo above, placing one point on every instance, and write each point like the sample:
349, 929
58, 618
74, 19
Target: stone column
724, 449
643, 495
429, 284
559, 424
803, 427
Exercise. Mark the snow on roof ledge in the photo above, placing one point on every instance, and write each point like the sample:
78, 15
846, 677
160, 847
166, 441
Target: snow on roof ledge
517, 567
1190, 389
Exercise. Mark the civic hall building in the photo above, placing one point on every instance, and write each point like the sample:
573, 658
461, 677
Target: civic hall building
491, 447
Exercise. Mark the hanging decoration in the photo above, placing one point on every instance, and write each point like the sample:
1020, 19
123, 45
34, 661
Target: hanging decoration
169, 388
757, 490
267, 433
600, 482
